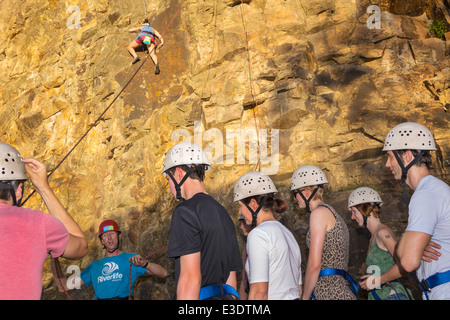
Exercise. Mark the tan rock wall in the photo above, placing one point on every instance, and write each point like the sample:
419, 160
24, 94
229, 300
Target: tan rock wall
328, 89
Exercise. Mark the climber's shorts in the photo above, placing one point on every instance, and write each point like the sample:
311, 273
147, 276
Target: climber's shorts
141, 40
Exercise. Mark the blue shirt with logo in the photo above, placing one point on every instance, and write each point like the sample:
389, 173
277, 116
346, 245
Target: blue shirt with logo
110, 276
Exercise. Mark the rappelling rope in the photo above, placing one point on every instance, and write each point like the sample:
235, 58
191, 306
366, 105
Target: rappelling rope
59, 276
129, 272
109, 106
145, 9
252, 88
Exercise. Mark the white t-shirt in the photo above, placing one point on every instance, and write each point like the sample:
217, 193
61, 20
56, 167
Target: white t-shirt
274, 257
429, 212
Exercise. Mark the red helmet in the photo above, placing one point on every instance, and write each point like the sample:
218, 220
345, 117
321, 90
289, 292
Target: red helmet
108, 225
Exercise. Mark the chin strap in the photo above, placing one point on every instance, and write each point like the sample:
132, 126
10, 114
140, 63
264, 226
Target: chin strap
405, 172
117, 247
255, 213
364, 217
111, 251
307, 201
178, 185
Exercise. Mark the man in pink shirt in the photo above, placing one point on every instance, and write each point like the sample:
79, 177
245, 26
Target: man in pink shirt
26, 235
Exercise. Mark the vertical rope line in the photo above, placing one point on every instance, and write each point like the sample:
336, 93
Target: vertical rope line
252, 89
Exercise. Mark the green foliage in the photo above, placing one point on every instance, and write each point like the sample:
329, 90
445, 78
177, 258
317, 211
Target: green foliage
437, 28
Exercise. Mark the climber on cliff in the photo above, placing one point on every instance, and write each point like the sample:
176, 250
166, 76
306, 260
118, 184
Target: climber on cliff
146, 37
408, 146
26, 235
202, 237
110, 275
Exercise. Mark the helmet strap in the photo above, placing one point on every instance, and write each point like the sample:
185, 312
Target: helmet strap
307, 201
255, 212
405, 172
178, 185
363, 216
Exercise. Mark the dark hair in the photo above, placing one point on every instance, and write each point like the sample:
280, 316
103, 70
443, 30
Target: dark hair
368, 209
145, 20
197, 174
272, 204
425, 158
5, 194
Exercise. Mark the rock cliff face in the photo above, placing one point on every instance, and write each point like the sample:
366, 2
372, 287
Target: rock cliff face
318, 82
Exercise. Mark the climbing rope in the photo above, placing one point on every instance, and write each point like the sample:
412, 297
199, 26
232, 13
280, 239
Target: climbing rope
129, 272
145, 9
252, 88
59, 276
92, 126
109, 106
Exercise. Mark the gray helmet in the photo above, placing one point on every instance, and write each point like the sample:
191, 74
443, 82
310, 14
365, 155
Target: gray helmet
12, 166
306, 176
364, 195
12, 170
253, 183
411, 136
185, 153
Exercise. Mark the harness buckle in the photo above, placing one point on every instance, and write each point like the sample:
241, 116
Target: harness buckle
424, 286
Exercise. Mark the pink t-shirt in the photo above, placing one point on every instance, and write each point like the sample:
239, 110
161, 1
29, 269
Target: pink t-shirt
26, 237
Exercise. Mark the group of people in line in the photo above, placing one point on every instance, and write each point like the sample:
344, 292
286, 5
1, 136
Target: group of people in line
203, 241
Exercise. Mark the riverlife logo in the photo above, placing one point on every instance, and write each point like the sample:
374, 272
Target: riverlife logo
108, 273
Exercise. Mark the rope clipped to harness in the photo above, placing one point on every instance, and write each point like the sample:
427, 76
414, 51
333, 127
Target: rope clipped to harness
405, 172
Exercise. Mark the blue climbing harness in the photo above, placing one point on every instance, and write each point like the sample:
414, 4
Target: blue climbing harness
433, 281
387, 284
217, 290
342, 273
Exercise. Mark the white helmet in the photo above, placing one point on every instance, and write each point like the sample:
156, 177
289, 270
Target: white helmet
411, 136
307, 175
253, 183
12, 166
185, 153
363, 195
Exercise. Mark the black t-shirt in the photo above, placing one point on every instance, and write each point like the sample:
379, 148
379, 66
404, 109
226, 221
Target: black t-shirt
201, 224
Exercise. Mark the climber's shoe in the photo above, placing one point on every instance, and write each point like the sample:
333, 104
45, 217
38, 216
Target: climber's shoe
137, 59
157, 71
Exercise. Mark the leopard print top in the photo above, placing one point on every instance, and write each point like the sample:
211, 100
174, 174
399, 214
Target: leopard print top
335, 254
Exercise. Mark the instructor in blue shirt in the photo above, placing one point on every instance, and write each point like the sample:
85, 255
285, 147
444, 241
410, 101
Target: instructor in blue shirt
110, 276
